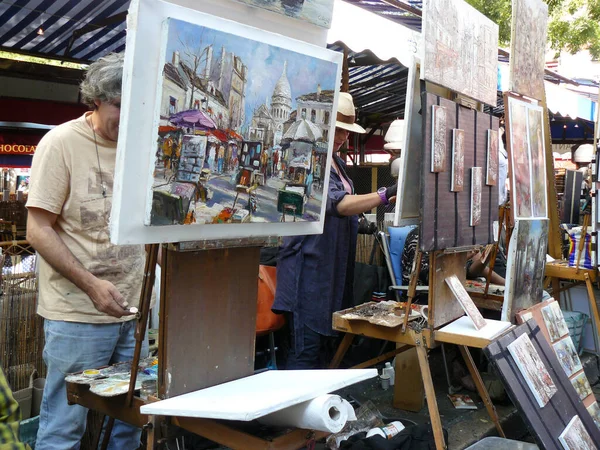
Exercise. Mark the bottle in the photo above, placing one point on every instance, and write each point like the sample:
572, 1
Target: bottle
387, 432
389, 370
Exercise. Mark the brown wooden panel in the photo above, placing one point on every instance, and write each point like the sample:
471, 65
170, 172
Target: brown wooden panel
445, 214
409, 393
546, 423
208, 318
444, 307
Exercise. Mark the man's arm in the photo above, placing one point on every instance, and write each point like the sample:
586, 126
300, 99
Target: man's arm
46, 241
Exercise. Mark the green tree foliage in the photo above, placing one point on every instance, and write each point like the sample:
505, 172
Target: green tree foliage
574, 25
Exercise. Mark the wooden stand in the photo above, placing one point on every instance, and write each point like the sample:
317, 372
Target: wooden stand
412, 365
207, 335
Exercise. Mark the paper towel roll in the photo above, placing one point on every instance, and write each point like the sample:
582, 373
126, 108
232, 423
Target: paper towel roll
325, 413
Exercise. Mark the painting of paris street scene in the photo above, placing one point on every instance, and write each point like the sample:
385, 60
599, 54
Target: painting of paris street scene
244, 131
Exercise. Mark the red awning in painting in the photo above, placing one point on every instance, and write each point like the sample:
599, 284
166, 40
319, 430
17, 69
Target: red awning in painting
233, 135
219, 134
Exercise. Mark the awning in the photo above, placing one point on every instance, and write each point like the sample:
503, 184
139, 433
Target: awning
362, 30
220, 135
560, 100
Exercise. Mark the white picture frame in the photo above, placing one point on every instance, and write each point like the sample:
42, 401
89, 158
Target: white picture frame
140, 103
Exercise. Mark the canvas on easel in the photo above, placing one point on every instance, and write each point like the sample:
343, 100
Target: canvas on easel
576, 437
528, 47
449, 218
527, 163
526, 261
192, 89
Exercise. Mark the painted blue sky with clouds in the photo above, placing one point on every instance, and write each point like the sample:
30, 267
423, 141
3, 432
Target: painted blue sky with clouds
265, 62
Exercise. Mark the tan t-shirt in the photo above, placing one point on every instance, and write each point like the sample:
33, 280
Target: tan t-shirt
65, 180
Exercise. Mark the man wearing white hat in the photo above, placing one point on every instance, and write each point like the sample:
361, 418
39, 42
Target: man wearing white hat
315, 273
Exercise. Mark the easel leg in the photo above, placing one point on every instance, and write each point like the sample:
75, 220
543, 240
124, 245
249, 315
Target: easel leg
152, 433
341, 351
556, 289
434, 413
408, 386
483, 393
107, 432
593, 304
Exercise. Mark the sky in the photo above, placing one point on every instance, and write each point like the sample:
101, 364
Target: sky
265, 62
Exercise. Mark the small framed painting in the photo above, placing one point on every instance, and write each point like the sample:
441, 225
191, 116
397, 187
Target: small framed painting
476, 193
458, 160
438, 141
491, 178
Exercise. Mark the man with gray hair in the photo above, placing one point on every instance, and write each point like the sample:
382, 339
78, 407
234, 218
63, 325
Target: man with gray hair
86, 284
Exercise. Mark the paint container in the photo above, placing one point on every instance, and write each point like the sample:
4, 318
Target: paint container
148, 388
387, 432
91, 372
385, 381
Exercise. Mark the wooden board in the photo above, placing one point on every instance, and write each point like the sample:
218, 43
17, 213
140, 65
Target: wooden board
445, 214
571, 198
208, 318
255, 396
546, 423
444, 308
408, 387
463, 332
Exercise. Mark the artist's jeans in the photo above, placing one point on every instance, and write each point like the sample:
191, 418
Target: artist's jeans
73, 347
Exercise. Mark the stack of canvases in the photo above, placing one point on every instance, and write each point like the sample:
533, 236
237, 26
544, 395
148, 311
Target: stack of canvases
21, 329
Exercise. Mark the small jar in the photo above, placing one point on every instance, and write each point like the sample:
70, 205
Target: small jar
148, 388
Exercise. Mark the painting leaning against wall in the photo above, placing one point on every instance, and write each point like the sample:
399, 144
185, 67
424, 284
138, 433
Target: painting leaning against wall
243, 131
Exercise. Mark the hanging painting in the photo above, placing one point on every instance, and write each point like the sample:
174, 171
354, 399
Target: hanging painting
594, 411
238, 134
567, 356
582, 386
528, 47
461, 49
438, 141
476, 192
458, 160
318, 12
527, 161
532, 369
526, 261
491, 174
576, 437
554, 321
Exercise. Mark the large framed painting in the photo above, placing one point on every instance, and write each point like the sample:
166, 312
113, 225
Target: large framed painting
457, 207
318, 12
527, 158
528, 47
461, 49
227, 134
526, 262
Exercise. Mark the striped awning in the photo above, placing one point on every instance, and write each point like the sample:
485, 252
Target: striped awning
84, 30
81, 30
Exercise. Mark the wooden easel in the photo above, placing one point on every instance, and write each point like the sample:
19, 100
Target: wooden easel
207, 332
413, 374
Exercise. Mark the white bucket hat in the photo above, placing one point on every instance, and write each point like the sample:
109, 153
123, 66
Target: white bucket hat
345, 114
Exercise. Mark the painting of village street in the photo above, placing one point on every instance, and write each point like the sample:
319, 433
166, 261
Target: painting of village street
243, 133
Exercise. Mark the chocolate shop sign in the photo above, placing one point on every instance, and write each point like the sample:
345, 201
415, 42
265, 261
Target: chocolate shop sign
17, 149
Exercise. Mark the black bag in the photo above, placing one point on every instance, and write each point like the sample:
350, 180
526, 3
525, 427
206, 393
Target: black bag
369, 278
417, 437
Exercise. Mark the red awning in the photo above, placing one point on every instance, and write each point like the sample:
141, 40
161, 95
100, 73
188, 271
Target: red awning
233, 135
166, 128
219, 134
